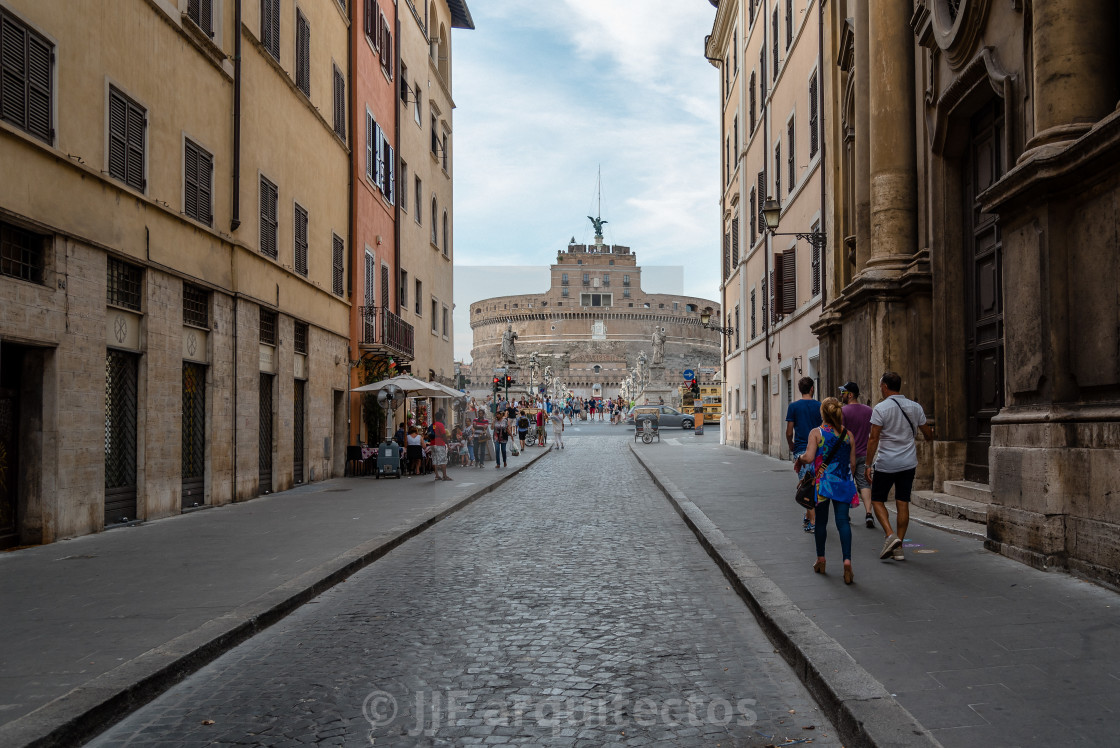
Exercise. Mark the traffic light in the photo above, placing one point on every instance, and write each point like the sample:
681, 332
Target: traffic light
509, 380
497, 380
695, 388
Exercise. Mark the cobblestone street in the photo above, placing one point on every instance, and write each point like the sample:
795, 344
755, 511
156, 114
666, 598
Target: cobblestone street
570, 607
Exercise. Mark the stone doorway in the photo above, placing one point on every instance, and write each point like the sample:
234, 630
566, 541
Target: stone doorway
11, 370
983, 289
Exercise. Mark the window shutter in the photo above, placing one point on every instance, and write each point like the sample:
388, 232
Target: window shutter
205, 179
385, 286
816, 269
190, 174
734, 243
754, 321
301, 240
754, 217
339, 104
765, 304
778, 171
762, 72
135, 156
268, 218
789, 23
337, 263
791, 158
754, 103
370, 28
773, 282
118, 136
386, 47
371, 151
39, 56
789, 281
270, 27
206, 16
303, 54
194, 11
761, 199
726, 255
813, 116
390, 173
370, 280
379, 155
14, 65
774, 72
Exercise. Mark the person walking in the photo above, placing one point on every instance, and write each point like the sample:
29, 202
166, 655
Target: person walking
557, 420
522, 428
439, 447
501, 437
892, 458
802, 416
857, 419
415, 443
540, 428
481, 436
836, 489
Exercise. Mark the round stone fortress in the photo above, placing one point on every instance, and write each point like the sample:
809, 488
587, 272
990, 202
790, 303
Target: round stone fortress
593, 323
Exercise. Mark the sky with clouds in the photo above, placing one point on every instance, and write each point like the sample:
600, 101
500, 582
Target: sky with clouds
547, 93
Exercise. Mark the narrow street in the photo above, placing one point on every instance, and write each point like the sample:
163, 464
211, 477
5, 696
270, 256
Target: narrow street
570, 607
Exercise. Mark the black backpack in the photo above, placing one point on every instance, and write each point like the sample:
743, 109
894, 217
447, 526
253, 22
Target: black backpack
523, 423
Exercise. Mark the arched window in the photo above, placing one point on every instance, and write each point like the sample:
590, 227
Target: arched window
446, 234
435, 228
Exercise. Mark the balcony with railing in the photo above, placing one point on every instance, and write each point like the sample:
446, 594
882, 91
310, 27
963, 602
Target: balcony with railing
384, 332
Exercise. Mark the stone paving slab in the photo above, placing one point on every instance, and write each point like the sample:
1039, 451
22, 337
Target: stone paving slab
570, 607
94, 626
980, 649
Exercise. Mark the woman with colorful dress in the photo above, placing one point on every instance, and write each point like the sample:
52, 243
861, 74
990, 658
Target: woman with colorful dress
836, 488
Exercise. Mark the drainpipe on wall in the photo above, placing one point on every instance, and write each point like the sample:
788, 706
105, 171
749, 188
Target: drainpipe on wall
235, 219
403, 187
823, 140
764, 20
351, 54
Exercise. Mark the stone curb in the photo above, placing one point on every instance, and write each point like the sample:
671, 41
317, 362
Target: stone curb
93, 707
862, 710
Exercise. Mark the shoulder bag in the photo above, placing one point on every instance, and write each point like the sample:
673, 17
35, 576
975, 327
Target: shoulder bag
806, 495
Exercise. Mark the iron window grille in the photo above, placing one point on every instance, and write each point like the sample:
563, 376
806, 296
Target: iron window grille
268, 327
270, 27
202, 13
196, 306
25, 65
300, 337
21, 253
269, 222
337, 252
123, 284
127, 126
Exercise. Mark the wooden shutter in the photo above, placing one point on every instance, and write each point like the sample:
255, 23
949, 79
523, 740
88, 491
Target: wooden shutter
726, 255
379, 157
370, 24
765, 304
190, 178
135, 139
791, 133
370, 280
789, 281
789, 23
205, 180
337, 263
754, 218
371, 148
118, 136
754, 102
761, 199
762, 73
778, 171
270, 27
772, 284
301, 240
816, 269
390, 173
385, 286
734, 243
268, 198
303, 54
774, 72
339, 104
25, 61
386, 47
754, 320
814, 136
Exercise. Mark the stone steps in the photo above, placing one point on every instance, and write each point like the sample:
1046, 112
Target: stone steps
952, 506
970, 490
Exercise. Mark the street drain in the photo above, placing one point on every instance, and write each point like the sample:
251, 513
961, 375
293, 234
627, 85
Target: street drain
335, 490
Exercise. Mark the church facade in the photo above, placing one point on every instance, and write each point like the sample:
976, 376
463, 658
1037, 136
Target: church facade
592, 324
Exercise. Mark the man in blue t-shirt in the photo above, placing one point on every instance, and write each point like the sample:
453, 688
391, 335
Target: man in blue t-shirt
802, 416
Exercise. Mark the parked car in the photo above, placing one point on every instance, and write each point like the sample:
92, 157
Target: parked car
671, 418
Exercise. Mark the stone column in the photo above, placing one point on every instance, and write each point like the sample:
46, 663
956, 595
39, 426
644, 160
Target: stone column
894, 204
1075, 69
862, 163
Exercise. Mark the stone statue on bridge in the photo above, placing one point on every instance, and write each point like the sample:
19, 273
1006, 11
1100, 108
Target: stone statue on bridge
659, 346
509, 349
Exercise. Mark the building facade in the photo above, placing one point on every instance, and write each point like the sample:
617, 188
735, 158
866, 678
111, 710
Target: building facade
176, 315
591, 325
769, 55
426, 216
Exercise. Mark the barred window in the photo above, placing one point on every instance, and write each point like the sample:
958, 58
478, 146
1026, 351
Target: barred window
301, 337
21, 253
196, 306
338, 251
123, 284
268, 326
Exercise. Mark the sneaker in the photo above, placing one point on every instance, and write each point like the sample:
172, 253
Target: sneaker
892, 542
896, 554
810, 527
869, 521
805, 521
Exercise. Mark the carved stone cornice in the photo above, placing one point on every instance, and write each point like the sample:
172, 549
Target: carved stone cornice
984, 65
957, 37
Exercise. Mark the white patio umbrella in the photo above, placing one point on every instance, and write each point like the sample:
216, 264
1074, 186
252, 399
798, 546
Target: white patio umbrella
412, 386
447, 391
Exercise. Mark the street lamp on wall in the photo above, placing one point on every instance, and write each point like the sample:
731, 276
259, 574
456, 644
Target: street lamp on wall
772, 215
706, 323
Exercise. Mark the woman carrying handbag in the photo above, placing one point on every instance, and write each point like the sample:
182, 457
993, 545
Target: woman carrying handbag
830, 449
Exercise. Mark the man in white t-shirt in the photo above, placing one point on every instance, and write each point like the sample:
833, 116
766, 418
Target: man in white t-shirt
557, 419
892, 448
